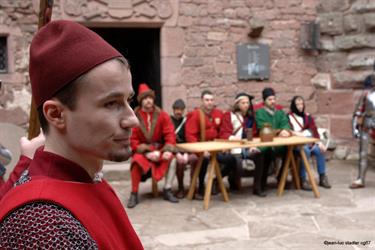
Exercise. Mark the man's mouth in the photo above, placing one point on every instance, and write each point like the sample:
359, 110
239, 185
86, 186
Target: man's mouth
122, 140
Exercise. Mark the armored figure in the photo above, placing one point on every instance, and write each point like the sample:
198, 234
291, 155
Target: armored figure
364, 127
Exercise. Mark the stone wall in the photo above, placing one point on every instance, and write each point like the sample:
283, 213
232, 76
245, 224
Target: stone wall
347, 55
213, 28
18, 21
198, 49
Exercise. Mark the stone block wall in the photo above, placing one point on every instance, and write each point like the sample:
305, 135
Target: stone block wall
18, 22
213, 29
346, 58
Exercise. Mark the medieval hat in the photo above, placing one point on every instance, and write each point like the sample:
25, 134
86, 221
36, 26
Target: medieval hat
144, 91
242, 95
179, 104
267, 92
62, 51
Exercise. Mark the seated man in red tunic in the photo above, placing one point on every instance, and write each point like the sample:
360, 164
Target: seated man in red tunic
81, 87
153, 144
203, 124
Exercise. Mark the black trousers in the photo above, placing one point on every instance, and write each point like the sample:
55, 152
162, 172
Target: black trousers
228, 167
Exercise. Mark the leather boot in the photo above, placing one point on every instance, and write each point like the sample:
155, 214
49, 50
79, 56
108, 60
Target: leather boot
168, 196
199, 195
323, 181
133, 200
180, 193
357, 184
259, 193
305, 185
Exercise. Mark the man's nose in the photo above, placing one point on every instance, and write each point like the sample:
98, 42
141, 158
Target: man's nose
129, 120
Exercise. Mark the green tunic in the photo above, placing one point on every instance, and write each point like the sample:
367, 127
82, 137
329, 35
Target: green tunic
279, 120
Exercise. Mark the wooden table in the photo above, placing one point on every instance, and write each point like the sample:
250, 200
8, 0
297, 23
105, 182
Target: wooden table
217, 146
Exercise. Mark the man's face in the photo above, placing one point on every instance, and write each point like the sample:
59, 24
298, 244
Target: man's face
208, 102
244, 105
299, 104
178, 113
100, 125
147, 102
270, 102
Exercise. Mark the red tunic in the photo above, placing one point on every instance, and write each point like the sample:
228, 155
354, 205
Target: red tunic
59, 181
308, 123
213, 121
156, 132
22, 164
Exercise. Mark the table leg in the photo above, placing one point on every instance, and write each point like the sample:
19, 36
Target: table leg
193, 182
284, 174
296, 180
220, 180
210, 172
309, 173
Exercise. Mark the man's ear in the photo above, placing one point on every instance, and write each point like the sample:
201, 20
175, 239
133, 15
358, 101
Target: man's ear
54, 112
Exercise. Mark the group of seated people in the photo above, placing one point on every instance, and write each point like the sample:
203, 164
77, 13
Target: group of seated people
155, 154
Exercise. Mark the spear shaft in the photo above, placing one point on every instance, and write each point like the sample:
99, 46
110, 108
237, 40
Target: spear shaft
45, 13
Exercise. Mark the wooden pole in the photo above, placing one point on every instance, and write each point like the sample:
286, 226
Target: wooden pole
45, 13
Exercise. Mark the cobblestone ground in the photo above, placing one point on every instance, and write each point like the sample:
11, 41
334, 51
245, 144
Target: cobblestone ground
341, 219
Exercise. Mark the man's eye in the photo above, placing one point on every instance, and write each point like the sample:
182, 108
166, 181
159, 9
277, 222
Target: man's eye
112, 104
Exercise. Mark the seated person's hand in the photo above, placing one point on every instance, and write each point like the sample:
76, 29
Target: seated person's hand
167, 156
153, 156
322, 147
182, 158
284, 133
233, 137
28, 147
254, 150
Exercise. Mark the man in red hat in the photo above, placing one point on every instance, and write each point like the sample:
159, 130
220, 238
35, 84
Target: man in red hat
153, 145
81, 87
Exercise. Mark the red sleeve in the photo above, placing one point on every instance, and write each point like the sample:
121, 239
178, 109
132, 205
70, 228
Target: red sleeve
255, 130
312, 127
226, 128
257, 106
21, 166
168, 129
192, 127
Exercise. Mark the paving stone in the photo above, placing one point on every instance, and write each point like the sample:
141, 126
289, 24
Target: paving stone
296, 220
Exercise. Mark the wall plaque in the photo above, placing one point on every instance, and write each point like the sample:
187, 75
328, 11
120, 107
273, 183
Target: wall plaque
253, 61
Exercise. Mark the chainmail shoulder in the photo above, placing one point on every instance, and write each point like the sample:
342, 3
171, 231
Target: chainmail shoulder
24, 178
42, 225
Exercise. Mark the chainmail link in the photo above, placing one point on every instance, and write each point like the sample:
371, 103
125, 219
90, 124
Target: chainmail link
43, 225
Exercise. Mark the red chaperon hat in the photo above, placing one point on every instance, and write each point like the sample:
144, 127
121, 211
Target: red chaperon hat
62, 51
144, 91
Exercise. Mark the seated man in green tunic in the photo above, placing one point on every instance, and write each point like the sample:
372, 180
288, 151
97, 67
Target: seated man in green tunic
278, 120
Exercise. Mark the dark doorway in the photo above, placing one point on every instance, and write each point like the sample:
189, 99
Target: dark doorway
141, 47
